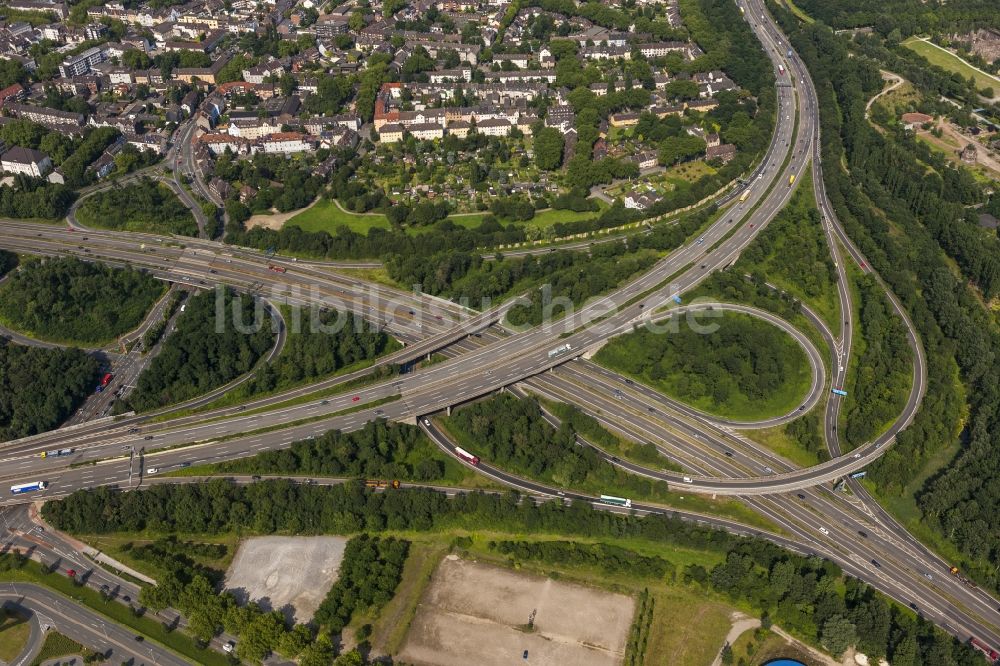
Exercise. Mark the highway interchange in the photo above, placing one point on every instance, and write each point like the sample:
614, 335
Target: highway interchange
485, 355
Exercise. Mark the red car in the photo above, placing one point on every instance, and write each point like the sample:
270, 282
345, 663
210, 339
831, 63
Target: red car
71, 573
356, 398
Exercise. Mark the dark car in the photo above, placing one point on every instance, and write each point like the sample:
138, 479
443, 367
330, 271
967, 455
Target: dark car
148, 437
876, 564
729, 454
140, 638
524, 655
863, 534
800, 496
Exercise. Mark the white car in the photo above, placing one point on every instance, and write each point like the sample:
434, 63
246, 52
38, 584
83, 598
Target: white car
824, 531
229, 647
427, 422
152, 470
857, 455
687, 479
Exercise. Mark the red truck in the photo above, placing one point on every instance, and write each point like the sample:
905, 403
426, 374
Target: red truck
990, 653
466, 456
105, 380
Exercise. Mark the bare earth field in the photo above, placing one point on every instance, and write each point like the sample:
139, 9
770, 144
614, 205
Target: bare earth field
290, 574
476, 613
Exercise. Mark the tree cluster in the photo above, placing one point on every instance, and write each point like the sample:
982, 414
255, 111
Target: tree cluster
380, 450
203, 352
882, 382
313, 352
182, 559
280, 183
605, 557
34, 197
369, 573
744, 358
40, 388
71, 300
811, 597
514, 435
461, 274
808, 596
146, 205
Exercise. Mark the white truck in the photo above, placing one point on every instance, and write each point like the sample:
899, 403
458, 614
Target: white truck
561, 349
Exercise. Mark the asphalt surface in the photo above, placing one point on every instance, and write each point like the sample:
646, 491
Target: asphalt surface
529, 352
91, 630
492, 362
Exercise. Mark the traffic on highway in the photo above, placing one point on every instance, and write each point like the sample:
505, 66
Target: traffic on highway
483, 353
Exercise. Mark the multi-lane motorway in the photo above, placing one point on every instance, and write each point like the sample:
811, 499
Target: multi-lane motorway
854, 532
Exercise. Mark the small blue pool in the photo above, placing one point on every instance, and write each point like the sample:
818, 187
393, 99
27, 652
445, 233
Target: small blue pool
784, 662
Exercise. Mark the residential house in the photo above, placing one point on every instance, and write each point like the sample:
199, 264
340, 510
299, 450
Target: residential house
723, 152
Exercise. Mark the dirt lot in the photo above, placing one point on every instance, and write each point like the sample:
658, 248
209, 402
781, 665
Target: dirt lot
290, 574
476, 613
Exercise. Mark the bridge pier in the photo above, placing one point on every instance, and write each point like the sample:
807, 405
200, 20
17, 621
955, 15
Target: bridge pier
448, 411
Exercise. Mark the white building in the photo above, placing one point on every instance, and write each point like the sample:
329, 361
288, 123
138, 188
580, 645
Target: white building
25, 161
253, 128
287, 143
427, 131
494, 127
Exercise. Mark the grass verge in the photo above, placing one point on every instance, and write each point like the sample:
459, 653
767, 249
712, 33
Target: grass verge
15, 629
32, 572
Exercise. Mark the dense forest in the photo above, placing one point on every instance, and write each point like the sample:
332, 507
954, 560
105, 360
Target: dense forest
33, 197
514, 435
961, 502
68, 300
744, 365
908, 16
319, 347
146, 205
380, 450
204, 353
40, 388
883, 372
793, 590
